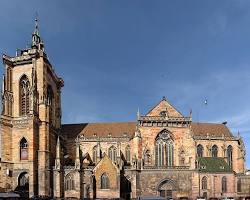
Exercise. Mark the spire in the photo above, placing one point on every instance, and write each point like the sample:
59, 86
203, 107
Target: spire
77, 161
58, 155
138, 114
58, 148
37, 42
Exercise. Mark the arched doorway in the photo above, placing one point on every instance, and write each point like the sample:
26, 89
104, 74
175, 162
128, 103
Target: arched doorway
23, 184
166, 188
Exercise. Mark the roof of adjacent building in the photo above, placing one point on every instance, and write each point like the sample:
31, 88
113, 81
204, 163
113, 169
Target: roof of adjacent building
211, 129
113, 129
127, 129
213, 164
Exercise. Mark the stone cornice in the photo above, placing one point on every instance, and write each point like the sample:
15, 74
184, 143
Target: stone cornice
103, 139
210, 137
160, 121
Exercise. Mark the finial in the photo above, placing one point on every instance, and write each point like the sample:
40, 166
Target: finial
190, 113
164, 98
238, 133
138, 114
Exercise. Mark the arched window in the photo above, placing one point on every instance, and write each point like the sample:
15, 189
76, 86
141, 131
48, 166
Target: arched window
200, 150
24, 88
95, 154
112, 153
230, 156
147, 157
214, 151
224, 184
204, 183
104, 181
69, 182
127, 153
164, 149
23, 149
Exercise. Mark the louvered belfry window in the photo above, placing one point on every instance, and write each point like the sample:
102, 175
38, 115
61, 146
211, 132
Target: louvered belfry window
24, 95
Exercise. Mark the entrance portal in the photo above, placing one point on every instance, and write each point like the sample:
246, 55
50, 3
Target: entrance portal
166, 188
23, 185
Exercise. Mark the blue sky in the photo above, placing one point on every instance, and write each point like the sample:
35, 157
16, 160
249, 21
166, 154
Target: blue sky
116, 56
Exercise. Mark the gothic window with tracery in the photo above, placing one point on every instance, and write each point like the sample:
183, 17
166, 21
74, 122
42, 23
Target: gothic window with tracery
104, 181
230, 156
24, 88
69, 182
214, 151
23, 149
224, 184
164, 149
127, 153
112, 153
204, 183
200, 150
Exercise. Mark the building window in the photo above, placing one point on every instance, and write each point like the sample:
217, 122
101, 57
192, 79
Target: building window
127, 153
224, 184
214, 151
104, 181
230, 156
24, 88
147, 159
200, 150
204, 183
95, 154
164, 149
50, 102
23, 149
239, 185
112, 153
69, 182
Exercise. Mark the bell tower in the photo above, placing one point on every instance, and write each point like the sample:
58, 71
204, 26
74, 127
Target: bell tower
30, 120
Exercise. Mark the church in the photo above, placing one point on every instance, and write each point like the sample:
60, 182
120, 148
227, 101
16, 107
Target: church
162, 153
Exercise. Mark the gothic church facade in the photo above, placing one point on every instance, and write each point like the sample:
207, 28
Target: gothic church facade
162, 153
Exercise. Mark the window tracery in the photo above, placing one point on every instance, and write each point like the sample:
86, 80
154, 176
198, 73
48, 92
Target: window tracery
200, 150
164, 149
69, 182
214, 151
24, 88
230, 156
112, 153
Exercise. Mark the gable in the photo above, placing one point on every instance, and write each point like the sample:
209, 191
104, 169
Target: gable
108, 167
164, 106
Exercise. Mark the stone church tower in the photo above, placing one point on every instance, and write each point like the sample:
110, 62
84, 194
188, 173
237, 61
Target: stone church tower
30, 119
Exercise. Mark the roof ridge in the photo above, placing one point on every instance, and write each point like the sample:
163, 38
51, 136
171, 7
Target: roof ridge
100, 123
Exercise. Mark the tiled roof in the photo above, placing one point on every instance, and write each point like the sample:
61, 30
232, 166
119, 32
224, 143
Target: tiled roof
113, 129
213, 164
203, 129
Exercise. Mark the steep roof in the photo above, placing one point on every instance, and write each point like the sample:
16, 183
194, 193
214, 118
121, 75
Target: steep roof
203, 129
113, 129
213, 164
